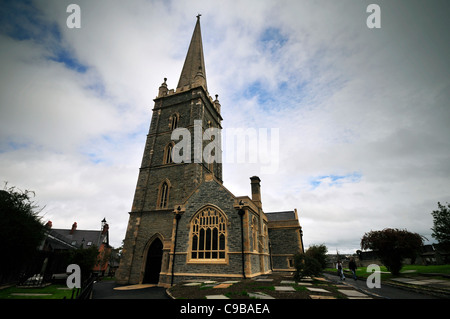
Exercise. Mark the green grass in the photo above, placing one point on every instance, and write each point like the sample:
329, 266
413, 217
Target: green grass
361, 272
266, 288
443, 269
52, 289
300, 288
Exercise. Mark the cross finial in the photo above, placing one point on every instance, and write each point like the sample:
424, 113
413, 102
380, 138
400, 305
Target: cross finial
198, 16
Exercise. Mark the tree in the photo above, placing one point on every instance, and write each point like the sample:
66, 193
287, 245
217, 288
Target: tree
392, 246
441, 226
306, 266
319, 253
86, 258
21, 231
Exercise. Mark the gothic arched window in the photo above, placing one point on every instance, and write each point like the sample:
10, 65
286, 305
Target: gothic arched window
208, 235
173, 121
163, 196
255, 233
266, 238
168, 154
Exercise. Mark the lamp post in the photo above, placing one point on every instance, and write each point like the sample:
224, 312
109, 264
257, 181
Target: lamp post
241, 213
177, 219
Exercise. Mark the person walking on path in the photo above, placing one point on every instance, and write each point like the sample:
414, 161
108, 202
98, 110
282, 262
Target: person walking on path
340, 270
352, 266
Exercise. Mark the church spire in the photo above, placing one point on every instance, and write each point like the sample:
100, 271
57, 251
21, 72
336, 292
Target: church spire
194, 72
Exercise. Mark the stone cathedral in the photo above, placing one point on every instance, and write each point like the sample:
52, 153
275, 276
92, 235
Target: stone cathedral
184, 224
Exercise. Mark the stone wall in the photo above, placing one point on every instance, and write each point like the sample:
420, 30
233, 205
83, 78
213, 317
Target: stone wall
285, 243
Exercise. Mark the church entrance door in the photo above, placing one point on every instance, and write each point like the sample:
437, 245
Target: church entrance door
153, 263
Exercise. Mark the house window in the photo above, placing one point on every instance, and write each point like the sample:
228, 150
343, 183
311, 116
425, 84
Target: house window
208, 235
163, 195
89, 243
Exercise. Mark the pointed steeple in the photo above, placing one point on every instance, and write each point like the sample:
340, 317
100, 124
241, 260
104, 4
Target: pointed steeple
194, 72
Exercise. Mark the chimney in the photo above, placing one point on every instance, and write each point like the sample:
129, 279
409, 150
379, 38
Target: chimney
49, 224
74, 228
256, 190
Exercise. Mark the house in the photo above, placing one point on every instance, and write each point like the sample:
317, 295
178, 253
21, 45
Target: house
74, 238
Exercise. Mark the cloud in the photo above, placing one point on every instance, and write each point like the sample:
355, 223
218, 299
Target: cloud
362, 114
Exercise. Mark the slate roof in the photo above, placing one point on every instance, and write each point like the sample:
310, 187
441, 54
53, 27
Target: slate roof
277, 216
91, 237
57, 241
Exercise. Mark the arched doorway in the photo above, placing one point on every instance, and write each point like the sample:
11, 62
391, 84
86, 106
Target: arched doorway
153, 263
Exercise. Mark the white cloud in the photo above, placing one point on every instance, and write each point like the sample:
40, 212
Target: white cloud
76, 105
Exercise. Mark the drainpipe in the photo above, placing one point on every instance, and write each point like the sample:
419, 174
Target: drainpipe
270, 255
241, 213
177, 218
301, 239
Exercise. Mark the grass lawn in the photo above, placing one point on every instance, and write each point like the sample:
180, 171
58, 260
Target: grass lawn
51, 292
442, 269
410, 270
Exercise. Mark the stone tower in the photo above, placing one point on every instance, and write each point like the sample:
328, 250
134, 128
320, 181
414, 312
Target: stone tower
184, 223
163, 184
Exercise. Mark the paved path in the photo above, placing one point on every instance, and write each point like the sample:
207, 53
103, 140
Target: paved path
105, 290
385, 291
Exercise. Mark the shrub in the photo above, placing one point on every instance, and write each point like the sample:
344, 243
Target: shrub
306, 266
319, 253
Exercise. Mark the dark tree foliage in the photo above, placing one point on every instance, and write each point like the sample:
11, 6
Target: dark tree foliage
21, 231
319, 253
306, 266
441, 226
85, 258
392, 246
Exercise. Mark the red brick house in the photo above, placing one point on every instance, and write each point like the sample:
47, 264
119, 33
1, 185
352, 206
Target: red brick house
74, 238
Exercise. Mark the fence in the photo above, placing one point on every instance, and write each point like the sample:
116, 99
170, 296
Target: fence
85, 291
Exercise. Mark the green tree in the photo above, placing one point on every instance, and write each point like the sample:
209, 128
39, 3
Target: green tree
21, 231
441, 226
392, 246
306, 266
85, 258
319, 253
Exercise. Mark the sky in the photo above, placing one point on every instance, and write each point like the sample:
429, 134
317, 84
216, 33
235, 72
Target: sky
362, 114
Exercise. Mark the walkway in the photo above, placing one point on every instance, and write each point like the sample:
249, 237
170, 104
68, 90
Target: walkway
111, 290
267, 287
350, 288
386, 290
